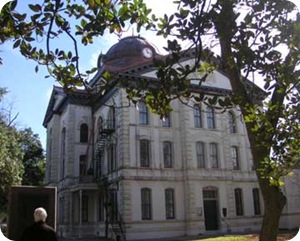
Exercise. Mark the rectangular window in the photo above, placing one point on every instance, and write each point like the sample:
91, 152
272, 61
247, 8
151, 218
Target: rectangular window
85, 208
231, 122
100, 208
170, 203
256, 201
167, 150
210, 114
114, 205
63, 152
200, 154
235, 158
146, 204
83, 165
166, 122
111, 121
238, 202
214, 158
143, 113
111, 158
197, 116
145, 153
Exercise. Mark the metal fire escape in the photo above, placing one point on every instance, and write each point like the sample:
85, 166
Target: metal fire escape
113, 217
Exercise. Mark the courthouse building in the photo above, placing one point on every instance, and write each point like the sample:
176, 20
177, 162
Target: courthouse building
122, 172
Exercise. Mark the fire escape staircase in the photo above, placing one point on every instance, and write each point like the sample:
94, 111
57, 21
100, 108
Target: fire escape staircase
113, 217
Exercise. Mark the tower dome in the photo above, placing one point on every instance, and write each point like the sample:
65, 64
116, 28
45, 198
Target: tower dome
128, 52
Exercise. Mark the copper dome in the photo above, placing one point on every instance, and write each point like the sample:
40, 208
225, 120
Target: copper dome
127, 52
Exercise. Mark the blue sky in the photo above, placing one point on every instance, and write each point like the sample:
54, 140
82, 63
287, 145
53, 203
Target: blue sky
29, 92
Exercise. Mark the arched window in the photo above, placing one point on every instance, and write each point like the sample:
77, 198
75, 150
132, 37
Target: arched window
143, 113
197, 116
84, 132
210, 115
231, 122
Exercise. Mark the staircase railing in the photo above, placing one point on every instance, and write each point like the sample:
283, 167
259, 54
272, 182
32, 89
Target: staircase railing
114, 218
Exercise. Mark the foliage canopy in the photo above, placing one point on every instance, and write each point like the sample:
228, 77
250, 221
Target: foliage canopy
255, 39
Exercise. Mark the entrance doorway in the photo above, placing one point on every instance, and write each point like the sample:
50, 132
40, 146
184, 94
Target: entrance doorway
210, 205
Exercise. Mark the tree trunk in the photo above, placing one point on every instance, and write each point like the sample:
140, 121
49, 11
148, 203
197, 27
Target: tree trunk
274, 203
274, 199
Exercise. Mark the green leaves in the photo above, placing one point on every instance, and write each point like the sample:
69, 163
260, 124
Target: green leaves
249, 46
60, 19
11, 168
33, 159
35, 7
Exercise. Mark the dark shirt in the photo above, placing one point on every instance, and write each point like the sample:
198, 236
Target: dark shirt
39, 231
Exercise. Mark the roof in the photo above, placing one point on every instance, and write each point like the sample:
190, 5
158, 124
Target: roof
59, 98
128, 60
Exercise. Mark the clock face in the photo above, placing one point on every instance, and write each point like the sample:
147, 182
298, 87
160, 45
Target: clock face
147, 52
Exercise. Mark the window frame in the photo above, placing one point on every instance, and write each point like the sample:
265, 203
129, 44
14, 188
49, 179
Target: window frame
239, 206
63, 151
200, 154
235, 158
100, 208
84, 133
214, 155
143, 114
210, 117
170, 203
85, 208
111, 119
198, 123
82, 165
256, 201
111, 158
146, 204
166, 121
167, 154
144, 153
232, 122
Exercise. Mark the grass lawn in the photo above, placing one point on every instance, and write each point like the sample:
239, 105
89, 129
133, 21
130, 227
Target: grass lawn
227, 238
254, 237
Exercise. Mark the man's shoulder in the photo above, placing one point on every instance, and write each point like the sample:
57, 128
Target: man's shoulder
47, 227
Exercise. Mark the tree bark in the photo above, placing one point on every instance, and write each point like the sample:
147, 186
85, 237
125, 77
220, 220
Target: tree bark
274, 199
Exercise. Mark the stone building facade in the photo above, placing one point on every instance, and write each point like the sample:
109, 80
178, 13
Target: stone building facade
122, 172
